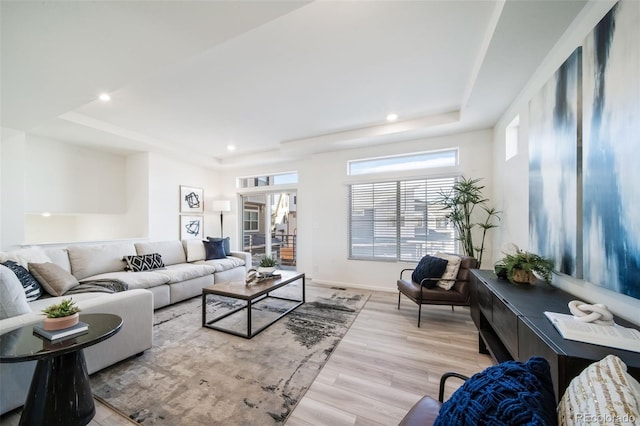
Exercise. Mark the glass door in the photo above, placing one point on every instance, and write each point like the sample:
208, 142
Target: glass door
269, 227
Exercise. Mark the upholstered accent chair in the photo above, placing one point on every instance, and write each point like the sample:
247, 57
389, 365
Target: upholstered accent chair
457, 295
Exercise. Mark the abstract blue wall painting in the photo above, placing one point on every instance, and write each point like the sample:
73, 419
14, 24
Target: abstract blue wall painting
554, 133
611, 151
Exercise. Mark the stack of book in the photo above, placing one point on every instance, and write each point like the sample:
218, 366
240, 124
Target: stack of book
62, 334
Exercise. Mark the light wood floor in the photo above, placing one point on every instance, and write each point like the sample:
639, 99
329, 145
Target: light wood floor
382, 366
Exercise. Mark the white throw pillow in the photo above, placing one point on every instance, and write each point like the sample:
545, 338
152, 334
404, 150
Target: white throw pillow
194, 249
22, 257
602, 393
13, 301
450, 274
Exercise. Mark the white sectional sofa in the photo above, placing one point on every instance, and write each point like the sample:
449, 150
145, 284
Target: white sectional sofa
186, 271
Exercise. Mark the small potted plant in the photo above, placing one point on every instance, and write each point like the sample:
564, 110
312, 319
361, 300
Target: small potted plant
63, 315
267, 265
520, 267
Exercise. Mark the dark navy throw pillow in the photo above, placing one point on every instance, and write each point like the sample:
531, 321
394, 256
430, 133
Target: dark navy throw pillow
226, 243
429, 267
512, 393
214, 249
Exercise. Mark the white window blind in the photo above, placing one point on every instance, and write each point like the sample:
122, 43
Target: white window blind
398, 220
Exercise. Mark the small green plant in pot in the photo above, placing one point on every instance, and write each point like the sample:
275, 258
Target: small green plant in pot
520, 267
62, 315
267, 265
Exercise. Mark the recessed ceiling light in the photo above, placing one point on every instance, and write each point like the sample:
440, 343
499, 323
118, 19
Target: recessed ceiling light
104, 97
231, 147
392, 117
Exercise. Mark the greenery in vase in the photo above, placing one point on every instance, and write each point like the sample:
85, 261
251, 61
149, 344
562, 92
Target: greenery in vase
268, 262
63, 309
523, 260
461, 203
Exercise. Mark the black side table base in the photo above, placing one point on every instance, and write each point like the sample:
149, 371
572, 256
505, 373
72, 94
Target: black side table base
60, 393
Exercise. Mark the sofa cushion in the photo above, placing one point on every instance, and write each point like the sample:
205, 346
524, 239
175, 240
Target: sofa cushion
214, 250
55, 280
172, 252
187, 271
225, 264
30, 286
429, 267
194, 249
143, 262
13, 301
510, 393
145, 279
450, 274
613, 394
87, 261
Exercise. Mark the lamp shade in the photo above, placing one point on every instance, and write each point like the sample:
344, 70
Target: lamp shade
221, 206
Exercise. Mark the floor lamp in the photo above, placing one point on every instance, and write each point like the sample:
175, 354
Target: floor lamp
221, 206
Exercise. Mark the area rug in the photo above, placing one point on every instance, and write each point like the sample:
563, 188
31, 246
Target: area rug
198, 376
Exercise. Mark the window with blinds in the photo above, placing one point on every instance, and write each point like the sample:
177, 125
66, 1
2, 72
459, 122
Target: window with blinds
399, 221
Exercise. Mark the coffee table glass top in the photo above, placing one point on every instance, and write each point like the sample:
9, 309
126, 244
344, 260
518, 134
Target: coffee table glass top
22, 345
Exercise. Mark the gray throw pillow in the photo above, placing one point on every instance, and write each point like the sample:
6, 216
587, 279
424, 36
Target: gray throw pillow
55, 280
13, 301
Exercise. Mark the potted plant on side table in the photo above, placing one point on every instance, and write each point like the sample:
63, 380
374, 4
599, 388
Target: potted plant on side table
62, 315
520, 267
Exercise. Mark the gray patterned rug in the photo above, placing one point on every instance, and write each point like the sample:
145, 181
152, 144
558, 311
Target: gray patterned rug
198, 376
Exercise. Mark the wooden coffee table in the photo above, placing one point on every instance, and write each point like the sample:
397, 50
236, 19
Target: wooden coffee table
252, 294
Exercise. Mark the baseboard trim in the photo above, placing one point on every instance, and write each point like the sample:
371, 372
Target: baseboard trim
326, 283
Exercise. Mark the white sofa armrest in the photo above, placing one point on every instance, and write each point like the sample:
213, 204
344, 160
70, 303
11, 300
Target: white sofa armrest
245, 256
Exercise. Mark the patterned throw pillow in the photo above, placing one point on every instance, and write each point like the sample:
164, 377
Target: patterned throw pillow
603, 393
31, 286
12, 299
145, 262
429, 267
511, 393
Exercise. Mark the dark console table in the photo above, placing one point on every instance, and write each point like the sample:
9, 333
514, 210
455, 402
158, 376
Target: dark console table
512, 326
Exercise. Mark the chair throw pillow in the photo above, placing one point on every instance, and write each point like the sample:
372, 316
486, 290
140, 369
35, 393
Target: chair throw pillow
510, 393
214, 249
226, 243
31, 287
145, 262
450, 275
429, 267
13, 301
55, 280
603, 392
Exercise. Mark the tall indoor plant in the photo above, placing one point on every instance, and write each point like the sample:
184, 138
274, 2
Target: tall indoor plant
461, 203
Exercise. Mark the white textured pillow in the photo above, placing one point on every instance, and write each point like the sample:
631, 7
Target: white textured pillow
194, 249
603, 393
25, 255
450, 274
13, 301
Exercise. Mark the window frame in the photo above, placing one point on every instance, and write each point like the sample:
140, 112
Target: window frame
413, 235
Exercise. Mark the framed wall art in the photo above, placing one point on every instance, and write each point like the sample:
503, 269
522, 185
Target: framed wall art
191, 227
191, 199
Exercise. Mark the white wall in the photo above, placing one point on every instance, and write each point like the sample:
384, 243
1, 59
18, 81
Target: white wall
511, 191
12, 188
323, 205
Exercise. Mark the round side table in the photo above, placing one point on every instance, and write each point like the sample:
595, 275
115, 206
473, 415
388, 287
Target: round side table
60, 392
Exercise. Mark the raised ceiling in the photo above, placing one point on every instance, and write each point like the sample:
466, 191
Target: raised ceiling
279, 80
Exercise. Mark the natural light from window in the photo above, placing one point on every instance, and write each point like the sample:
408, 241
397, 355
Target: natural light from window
415, 161
511, 139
